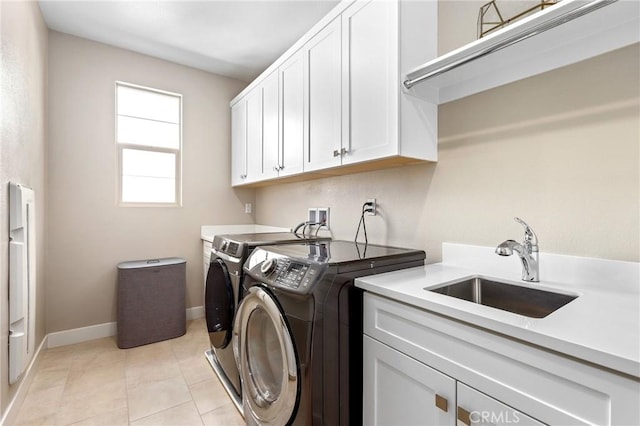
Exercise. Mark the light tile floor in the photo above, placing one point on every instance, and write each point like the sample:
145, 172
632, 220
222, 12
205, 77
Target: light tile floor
95, 383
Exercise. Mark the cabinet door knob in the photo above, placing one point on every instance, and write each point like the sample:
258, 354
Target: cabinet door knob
464, 416
442, 403
336, 153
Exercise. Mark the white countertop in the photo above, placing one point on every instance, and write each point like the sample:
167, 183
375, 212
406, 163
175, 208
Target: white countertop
207, 232
601, 326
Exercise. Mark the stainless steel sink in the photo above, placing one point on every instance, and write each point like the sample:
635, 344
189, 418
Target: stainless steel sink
525, 301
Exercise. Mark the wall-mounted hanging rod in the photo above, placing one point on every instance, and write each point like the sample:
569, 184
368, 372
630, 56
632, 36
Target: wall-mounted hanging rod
516, 38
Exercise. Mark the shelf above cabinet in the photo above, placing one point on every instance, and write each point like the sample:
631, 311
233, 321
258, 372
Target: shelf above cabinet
569, 32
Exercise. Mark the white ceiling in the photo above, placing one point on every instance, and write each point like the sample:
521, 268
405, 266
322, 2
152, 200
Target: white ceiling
236, 38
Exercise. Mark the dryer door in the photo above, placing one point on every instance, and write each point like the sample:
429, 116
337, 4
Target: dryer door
219, 304
268, 362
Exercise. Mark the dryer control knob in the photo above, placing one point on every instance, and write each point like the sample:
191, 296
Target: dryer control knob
268, 266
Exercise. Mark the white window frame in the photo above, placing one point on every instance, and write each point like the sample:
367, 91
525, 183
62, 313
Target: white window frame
120, 147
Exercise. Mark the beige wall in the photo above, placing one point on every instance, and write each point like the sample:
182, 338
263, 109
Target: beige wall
88, 233
560, 150
23, 149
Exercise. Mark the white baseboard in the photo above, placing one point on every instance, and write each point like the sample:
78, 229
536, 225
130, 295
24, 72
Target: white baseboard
98, 331
11, 413
82, 334
62, 338
195, 313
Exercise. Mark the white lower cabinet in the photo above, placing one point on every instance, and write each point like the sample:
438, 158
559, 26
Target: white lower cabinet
399, 390
421, 368
476, 408
206, 258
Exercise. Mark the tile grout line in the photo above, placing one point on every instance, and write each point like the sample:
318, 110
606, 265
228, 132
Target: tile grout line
193, 400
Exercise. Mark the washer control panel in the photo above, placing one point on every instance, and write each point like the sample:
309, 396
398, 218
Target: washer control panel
287, 273
293, 274
276, 270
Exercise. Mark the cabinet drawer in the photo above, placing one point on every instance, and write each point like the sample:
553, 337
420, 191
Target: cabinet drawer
476, 408
548, 386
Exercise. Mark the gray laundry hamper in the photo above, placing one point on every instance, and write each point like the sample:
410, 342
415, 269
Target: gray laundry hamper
151, 301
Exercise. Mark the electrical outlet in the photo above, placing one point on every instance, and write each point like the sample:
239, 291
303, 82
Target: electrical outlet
323, 216
313, 215
248, 208
373, 209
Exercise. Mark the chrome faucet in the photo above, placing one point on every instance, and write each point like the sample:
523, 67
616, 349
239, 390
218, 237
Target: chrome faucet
528, 252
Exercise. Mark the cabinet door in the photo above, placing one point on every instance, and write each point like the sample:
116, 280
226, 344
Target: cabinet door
293, 87
239, 142
399, 390
270, 127
324, 62
476, 408
254, 135
370, 58
206, 259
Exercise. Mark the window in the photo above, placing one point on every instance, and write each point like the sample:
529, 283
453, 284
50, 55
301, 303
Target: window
148, 139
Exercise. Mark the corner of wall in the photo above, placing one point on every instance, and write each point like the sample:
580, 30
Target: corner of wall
22, 154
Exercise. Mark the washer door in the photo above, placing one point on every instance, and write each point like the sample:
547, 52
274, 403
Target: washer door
219, 305
267, 360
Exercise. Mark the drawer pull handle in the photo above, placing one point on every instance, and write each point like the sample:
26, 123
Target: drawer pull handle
442, 403
339, 153
464, 416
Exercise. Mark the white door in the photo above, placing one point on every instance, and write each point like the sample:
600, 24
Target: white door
476, 408
293, 85
370, 72
324, 62
270, 126
238, 143
254, 135
399, 390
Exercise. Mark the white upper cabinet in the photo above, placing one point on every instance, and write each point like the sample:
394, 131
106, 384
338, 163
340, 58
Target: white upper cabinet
254, 136
270, 127
340, 96
370, 72
324, 64
380, 121
292, 111
239, 142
